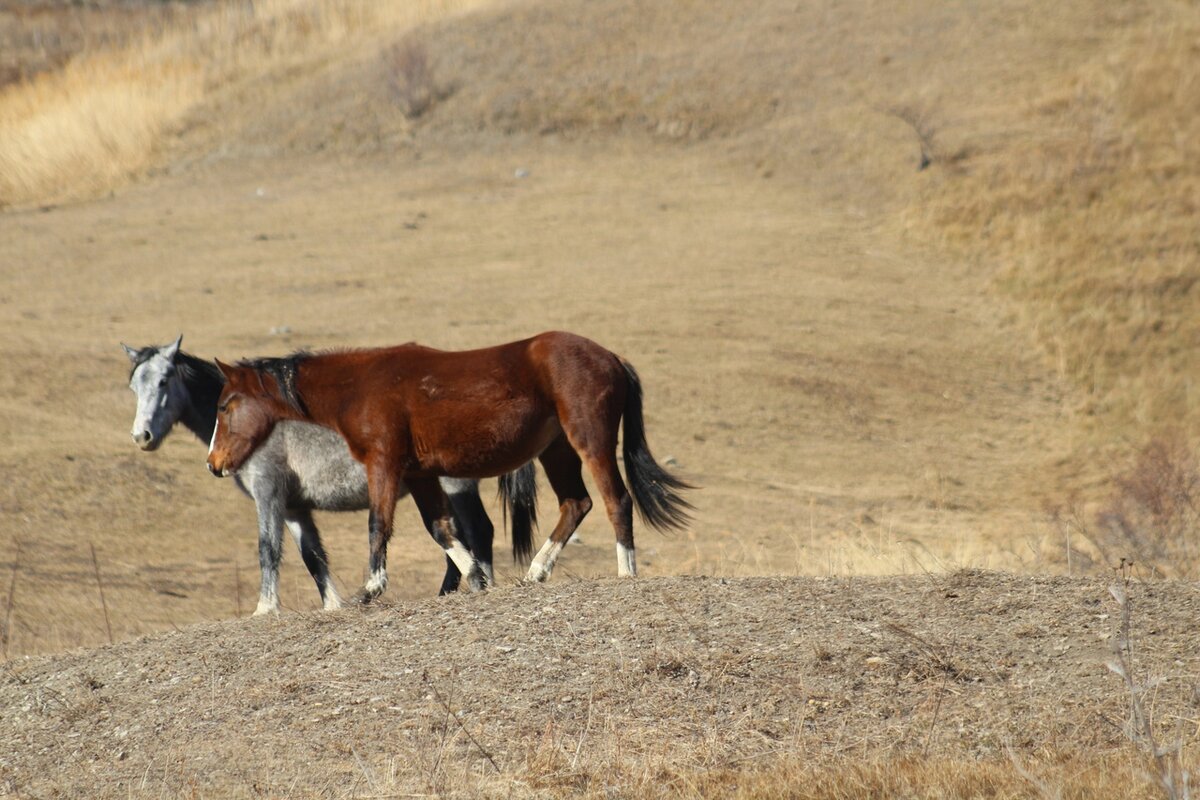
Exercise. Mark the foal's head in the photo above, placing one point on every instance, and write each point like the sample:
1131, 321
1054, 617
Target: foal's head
161, 395
247, 411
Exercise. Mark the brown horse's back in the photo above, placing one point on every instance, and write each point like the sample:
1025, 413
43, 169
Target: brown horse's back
471, 413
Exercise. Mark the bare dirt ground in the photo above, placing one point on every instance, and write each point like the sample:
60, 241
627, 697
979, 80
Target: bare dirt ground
714, 194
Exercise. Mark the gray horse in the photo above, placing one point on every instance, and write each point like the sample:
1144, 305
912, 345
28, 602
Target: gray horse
303, 467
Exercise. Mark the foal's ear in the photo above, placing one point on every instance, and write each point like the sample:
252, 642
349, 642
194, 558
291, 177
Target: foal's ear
226, 370
129, 351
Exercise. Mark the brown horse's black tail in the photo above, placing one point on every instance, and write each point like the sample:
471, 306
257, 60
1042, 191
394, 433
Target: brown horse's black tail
655, 491
518, 497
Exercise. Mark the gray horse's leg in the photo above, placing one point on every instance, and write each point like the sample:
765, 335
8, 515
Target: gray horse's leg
453, 575
270, 547
308, 539
473, 521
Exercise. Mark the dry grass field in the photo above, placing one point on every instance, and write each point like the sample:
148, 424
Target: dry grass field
869, 368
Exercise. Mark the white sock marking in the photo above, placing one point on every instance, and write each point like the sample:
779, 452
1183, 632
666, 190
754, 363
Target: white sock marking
376, 583
267, 605
543, 563
466, 564
626, 561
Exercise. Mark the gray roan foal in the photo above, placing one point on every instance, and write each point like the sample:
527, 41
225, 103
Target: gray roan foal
303, 467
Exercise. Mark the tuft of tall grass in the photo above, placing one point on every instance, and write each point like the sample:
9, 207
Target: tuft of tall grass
103, 117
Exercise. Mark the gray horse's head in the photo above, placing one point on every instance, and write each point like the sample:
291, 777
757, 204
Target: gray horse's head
161, 396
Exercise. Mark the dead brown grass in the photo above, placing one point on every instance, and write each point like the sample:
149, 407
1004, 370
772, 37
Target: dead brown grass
1088, 202
84, 129
672, 687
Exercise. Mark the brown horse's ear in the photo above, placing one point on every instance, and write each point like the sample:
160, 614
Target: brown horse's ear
226, 370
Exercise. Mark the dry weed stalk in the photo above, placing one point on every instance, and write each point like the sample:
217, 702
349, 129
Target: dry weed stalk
6, 632
921, 122
1171, 775
445, 704
100, 586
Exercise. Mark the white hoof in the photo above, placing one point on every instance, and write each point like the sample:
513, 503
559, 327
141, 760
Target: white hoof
537, 574
265, 607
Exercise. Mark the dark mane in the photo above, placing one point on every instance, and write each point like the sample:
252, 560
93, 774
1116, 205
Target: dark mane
204, 383
283, 371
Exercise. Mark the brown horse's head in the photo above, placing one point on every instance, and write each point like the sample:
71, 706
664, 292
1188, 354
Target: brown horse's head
247, 411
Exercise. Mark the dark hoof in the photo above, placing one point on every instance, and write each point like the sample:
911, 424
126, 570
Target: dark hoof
365, 598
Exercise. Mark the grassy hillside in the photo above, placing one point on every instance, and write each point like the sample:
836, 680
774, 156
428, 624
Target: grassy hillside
1084, 195
111, 111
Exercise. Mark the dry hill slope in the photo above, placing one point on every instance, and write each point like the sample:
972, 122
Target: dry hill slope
711, 194
722, 192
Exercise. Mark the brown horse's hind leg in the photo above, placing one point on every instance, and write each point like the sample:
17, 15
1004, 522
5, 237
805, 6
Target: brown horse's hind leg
619, 506
563, 471
435, 506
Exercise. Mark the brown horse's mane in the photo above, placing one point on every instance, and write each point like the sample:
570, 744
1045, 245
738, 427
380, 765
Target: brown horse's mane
283, 370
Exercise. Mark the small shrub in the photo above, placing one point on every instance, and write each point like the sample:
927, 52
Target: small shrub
411, 80
1151, 518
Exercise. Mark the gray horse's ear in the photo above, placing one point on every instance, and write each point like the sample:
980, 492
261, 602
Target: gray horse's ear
173, 348
129, 351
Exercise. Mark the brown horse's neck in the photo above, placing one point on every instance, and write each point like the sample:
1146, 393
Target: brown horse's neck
279, 378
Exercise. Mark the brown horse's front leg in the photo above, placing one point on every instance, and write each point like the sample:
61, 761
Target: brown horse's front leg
382, 485
435, 506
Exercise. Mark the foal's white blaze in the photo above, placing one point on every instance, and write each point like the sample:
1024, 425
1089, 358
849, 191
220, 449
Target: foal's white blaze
213, 441
626, 561
543, 563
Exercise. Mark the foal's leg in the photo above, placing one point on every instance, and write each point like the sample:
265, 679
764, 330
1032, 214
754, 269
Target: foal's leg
473, 522
308, 539
563, 470
270, 545
435, 507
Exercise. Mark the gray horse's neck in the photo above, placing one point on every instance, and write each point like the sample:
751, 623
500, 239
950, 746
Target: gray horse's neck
203, 382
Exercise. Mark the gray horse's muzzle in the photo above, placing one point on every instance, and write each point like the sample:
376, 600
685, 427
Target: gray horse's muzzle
146, 440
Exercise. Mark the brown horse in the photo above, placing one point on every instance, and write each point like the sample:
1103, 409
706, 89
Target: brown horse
411, 413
